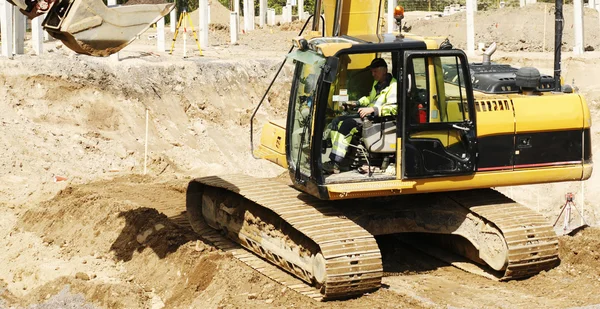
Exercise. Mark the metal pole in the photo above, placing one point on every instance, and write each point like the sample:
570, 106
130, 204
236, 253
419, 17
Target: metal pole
558, 29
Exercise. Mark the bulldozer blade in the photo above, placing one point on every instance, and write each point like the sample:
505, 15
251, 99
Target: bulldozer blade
90, 27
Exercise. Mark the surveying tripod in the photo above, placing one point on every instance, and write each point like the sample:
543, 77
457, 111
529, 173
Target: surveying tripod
567, 218
184, 17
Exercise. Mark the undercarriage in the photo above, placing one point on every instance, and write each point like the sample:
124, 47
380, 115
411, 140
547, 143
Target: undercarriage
331, 246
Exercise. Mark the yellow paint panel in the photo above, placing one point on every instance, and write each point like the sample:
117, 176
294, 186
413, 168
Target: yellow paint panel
548, 112
272, 143
494, 117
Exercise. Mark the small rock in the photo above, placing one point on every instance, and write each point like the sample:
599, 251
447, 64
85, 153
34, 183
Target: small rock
130, 278
48, 240
199, 246
93, 276
82, 276
159, 227
283, 290
84, 262
252, 296
268, 301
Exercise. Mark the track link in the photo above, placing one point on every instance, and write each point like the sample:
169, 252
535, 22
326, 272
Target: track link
352, 258
532, 242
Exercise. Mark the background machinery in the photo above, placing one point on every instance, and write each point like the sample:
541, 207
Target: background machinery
89, 26
461, 129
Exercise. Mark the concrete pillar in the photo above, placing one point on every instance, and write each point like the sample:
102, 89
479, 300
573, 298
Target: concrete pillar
288, 13
301, 10
271, 17
203, 23
37, 34
390, 16
115, 56
251, 14
247, 16
174, 20
262, 12
578, 26
160, 35
236, 9
19, 31
470, 28
233, 19
6, 27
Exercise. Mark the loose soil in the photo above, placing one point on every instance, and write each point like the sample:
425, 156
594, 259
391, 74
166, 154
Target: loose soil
85, 223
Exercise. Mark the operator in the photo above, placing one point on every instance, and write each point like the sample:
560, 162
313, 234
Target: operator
382, 101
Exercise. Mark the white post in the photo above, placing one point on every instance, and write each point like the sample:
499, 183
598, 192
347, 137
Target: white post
262, 12
37, 36
233, 26
578, 26
271, 17
236, 7
173, 18
470, 28
160, 35
146, 144
19, 34
301, 9
545, 15
288, 13
251, 14
522, 3
390, 16
6, 27
247, 17
115, 56
203, 23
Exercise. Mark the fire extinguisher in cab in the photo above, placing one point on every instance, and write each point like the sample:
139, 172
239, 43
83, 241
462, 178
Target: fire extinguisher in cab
422, 113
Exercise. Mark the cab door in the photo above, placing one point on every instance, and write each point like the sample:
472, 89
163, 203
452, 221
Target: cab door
438, 136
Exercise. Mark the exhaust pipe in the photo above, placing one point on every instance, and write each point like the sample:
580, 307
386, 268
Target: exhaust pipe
487, 54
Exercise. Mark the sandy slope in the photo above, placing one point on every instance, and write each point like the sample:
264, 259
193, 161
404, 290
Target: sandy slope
109, 237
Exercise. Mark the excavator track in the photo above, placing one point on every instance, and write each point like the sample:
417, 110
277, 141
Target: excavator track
352, 261
344, 236
531, 240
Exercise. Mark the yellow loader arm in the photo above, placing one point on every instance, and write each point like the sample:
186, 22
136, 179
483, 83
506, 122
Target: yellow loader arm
89, 26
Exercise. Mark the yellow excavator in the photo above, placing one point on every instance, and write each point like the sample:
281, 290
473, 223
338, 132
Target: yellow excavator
89, 26
461, 129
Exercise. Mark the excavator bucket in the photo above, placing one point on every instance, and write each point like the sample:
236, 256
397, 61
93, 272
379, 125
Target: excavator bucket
90, 27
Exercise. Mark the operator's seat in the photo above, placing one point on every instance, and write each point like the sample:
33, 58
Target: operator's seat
380, 136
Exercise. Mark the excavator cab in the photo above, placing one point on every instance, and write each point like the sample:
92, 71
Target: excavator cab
433, 134
89, 26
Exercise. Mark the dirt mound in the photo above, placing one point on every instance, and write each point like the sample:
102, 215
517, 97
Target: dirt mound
582, 251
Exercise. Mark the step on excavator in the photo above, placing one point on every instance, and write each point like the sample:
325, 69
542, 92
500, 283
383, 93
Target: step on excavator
89, 26
461, 129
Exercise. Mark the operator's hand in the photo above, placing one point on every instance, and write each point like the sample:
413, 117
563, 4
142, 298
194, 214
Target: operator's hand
349, 105
365, 111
